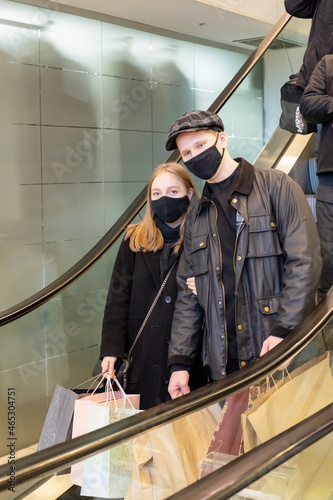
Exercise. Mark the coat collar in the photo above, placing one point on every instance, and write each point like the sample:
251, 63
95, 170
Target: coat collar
153, 264
244, 185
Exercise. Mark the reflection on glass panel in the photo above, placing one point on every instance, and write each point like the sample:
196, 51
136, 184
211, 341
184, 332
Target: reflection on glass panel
19, 165
126, 103
118, 197
71, 42
29, 338
169, 102
21, 271
282, 483
73, 211
70, 370
307, 476
30, 396
248, 148
19, 32
214, 67
204, 98
160, 155
126, 52
232, 115
72, 155
20, 85
70, 98
173, 61
73, 322
20, 216
61, 255
128, 154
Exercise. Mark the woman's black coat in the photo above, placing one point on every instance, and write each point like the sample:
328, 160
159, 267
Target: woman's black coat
134, 284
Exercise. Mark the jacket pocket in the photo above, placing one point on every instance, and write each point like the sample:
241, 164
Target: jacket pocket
263, 237
199, 254
269, 305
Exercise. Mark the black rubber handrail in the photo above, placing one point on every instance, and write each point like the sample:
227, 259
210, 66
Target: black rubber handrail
62, 455
86, 262
238, 474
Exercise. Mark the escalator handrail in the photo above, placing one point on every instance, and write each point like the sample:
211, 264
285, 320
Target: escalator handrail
87, 261
64, 454
236, 475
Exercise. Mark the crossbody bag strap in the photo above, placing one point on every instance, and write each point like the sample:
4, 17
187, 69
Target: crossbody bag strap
151, 309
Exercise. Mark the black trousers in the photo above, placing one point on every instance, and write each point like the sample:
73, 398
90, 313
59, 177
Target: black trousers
324, 211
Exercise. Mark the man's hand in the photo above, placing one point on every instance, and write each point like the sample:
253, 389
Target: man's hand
108, 366
178, 385
269, 344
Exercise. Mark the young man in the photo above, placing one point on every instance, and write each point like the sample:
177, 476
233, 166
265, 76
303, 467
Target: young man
252, 245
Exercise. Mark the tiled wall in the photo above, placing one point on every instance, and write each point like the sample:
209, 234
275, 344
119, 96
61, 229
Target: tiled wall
85, 106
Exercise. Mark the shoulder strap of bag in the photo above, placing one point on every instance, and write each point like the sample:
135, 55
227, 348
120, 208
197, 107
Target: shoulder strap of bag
151, 309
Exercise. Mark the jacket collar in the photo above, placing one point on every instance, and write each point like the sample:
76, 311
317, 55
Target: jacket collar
244, 185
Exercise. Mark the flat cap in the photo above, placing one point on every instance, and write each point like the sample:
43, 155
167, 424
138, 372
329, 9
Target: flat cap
193, 121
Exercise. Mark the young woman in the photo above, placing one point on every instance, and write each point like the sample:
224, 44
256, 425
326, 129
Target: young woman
148, 251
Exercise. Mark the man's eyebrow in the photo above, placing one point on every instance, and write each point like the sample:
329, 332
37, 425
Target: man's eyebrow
193, 145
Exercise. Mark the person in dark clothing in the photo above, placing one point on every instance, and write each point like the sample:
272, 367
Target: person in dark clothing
317, 107
252, 246
147, 252
320, 40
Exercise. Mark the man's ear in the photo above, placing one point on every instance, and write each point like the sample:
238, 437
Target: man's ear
223, 139
190, 193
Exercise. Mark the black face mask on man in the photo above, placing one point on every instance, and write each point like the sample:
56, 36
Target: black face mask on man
206, 164
170, 209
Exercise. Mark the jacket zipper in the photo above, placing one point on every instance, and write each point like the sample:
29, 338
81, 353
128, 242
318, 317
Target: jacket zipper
236, 241
237, 236
224, 307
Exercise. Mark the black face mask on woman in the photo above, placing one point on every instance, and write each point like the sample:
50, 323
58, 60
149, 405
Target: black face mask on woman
170, 209
206, 164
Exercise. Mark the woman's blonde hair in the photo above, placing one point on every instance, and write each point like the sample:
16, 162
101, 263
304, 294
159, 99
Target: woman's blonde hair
145, 236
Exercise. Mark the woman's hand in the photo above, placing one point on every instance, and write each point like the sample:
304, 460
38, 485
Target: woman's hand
108, 366
190, 282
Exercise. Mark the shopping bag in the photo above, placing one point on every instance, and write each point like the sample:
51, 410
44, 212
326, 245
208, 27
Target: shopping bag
58, 422
228, 436
108, 474
81, 417
166, 459
308, 390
